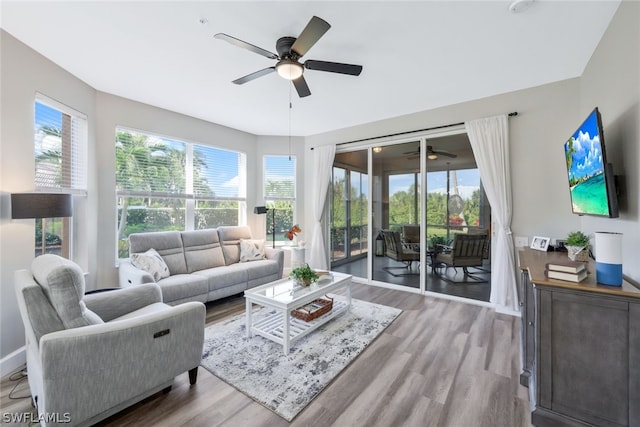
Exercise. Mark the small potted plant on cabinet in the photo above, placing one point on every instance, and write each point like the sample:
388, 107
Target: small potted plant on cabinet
577, 244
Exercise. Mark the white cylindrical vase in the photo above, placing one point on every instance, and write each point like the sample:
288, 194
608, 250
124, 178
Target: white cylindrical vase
609, 258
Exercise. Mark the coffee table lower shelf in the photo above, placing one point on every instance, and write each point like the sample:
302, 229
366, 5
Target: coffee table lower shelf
272, 327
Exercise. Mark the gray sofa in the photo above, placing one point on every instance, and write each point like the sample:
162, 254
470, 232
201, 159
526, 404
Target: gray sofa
204, 265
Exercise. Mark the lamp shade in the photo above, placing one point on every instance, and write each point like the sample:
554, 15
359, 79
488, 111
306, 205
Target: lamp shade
259, 210
289, 69
41, 205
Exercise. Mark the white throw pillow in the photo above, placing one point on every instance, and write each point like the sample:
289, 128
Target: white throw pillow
152, 263
251, 250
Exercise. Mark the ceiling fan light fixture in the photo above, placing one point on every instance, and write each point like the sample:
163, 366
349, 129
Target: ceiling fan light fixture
289, 69
432, 156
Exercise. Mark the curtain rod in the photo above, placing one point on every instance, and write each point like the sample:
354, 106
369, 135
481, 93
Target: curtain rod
513, 114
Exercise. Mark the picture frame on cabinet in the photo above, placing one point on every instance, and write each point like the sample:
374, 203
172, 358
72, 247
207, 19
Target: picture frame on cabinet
540, 243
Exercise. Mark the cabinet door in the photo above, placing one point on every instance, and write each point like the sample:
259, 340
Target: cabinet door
584, 357
634, 367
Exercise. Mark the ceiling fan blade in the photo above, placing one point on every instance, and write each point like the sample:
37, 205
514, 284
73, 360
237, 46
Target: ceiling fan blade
301, 87
253, 76
310, 35
333, 67
240, 43
445, 153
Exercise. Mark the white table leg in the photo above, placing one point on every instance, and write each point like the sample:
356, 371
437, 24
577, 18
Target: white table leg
249, 311
349, 295
287, 319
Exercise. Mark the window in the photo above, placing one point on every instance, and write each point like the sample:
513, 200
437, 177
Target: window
164, 184
404, 199
279, 181
60, 150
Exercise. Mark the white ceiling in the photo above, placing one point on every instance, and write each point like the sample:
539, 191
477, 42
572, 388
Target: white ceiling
416, 55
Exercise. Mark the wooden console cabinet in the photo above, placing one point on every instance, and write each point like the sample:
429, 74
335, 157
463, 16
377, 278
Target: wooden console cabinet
580, 348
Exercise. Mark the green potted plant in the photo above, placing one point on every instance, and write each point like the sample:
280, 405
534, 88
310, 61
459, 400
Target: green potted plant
577, 244
436, 240
304, 275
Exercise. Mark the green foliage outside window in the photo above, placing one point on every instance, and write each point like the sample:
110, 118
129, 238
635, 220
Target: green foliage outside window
155, 166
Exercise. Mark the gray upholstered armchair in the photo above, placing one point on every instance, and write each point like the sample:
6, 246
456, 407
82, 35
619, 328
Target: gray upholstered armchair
91, 356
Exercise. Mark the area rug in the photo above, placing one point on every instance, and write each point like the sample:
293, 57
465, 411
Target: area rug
286, 384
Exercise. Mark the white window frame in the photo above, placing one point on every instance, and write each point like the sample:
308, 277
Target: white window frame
75, 178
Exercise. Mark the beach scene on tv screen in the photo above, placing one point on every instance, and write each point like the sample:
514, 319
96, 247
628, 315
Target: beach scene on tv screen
586, 169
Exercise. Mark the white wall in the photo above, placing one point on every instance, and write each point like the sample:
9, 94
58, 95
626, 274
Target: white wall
611, 81
24, 72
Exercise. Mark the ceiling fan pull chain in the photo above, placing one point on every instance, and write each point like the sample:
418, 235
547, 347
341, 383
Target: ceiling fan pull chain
290, 108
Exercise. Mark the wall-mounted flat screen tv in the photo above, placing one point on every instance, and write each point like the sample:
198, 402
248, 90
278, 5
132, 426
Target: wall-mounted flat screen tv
591, 179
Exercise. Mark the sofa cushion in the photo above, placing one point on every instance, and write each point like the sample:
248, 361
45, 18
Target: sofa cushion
62, 282
220, 277
167, 243
151, 262
230, 237
181, 286
202, 249
251, 250
262, 268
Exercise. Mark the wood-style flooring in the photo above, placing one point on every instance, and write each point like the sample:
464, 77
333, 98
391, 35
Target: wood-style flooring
456, 285
440, 363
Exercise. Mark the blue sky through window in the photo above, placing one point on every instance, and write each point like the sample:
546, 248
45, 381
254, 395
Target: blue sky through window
468, 181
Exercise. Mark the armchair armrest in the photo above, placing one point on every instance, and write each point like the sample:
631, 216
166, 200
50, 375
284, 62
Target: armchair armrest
115, 303
118, 361
130, 275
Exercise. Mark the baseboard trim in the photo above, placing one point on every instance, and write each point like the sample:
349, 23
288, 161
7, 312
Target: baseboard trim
12, 361
509, 311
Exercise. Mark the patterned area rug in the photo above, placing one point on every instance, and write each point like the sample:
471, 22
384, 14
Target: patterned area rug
286, 384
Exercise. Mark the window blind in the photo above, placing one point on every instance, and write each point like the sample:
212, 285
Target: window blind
60, 147
279, 178
218, 174
147, 165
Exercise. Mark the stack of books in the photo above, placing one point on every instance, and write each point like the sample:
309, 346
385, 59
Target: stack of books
571, 271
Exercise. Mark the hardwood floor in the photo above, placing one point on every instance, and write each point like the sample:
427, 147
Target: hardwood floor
471, 289
440, 363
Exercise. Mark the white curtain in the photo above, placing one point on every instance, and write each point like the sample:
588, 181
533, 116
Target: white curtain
489, 139
322, 163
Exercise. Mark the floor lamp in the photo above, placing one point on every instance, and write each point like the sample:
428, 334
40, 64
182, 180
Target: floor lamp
43, 206
259, 210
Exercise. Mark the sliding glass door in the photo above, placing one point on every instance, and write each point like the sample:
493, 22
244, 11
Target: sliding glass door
349, 198
397, 205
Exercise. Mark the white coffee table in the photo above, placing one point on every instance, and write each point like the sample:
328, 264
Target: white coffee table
284, 296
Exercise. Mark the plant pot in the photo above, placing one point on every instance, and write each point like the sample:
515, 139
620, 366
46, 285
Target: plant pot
301, 282
578, 253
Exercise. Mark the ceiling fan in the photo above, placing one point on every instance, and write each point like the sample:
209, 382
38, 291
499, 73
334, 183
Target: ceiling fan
431, 153
290, 50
